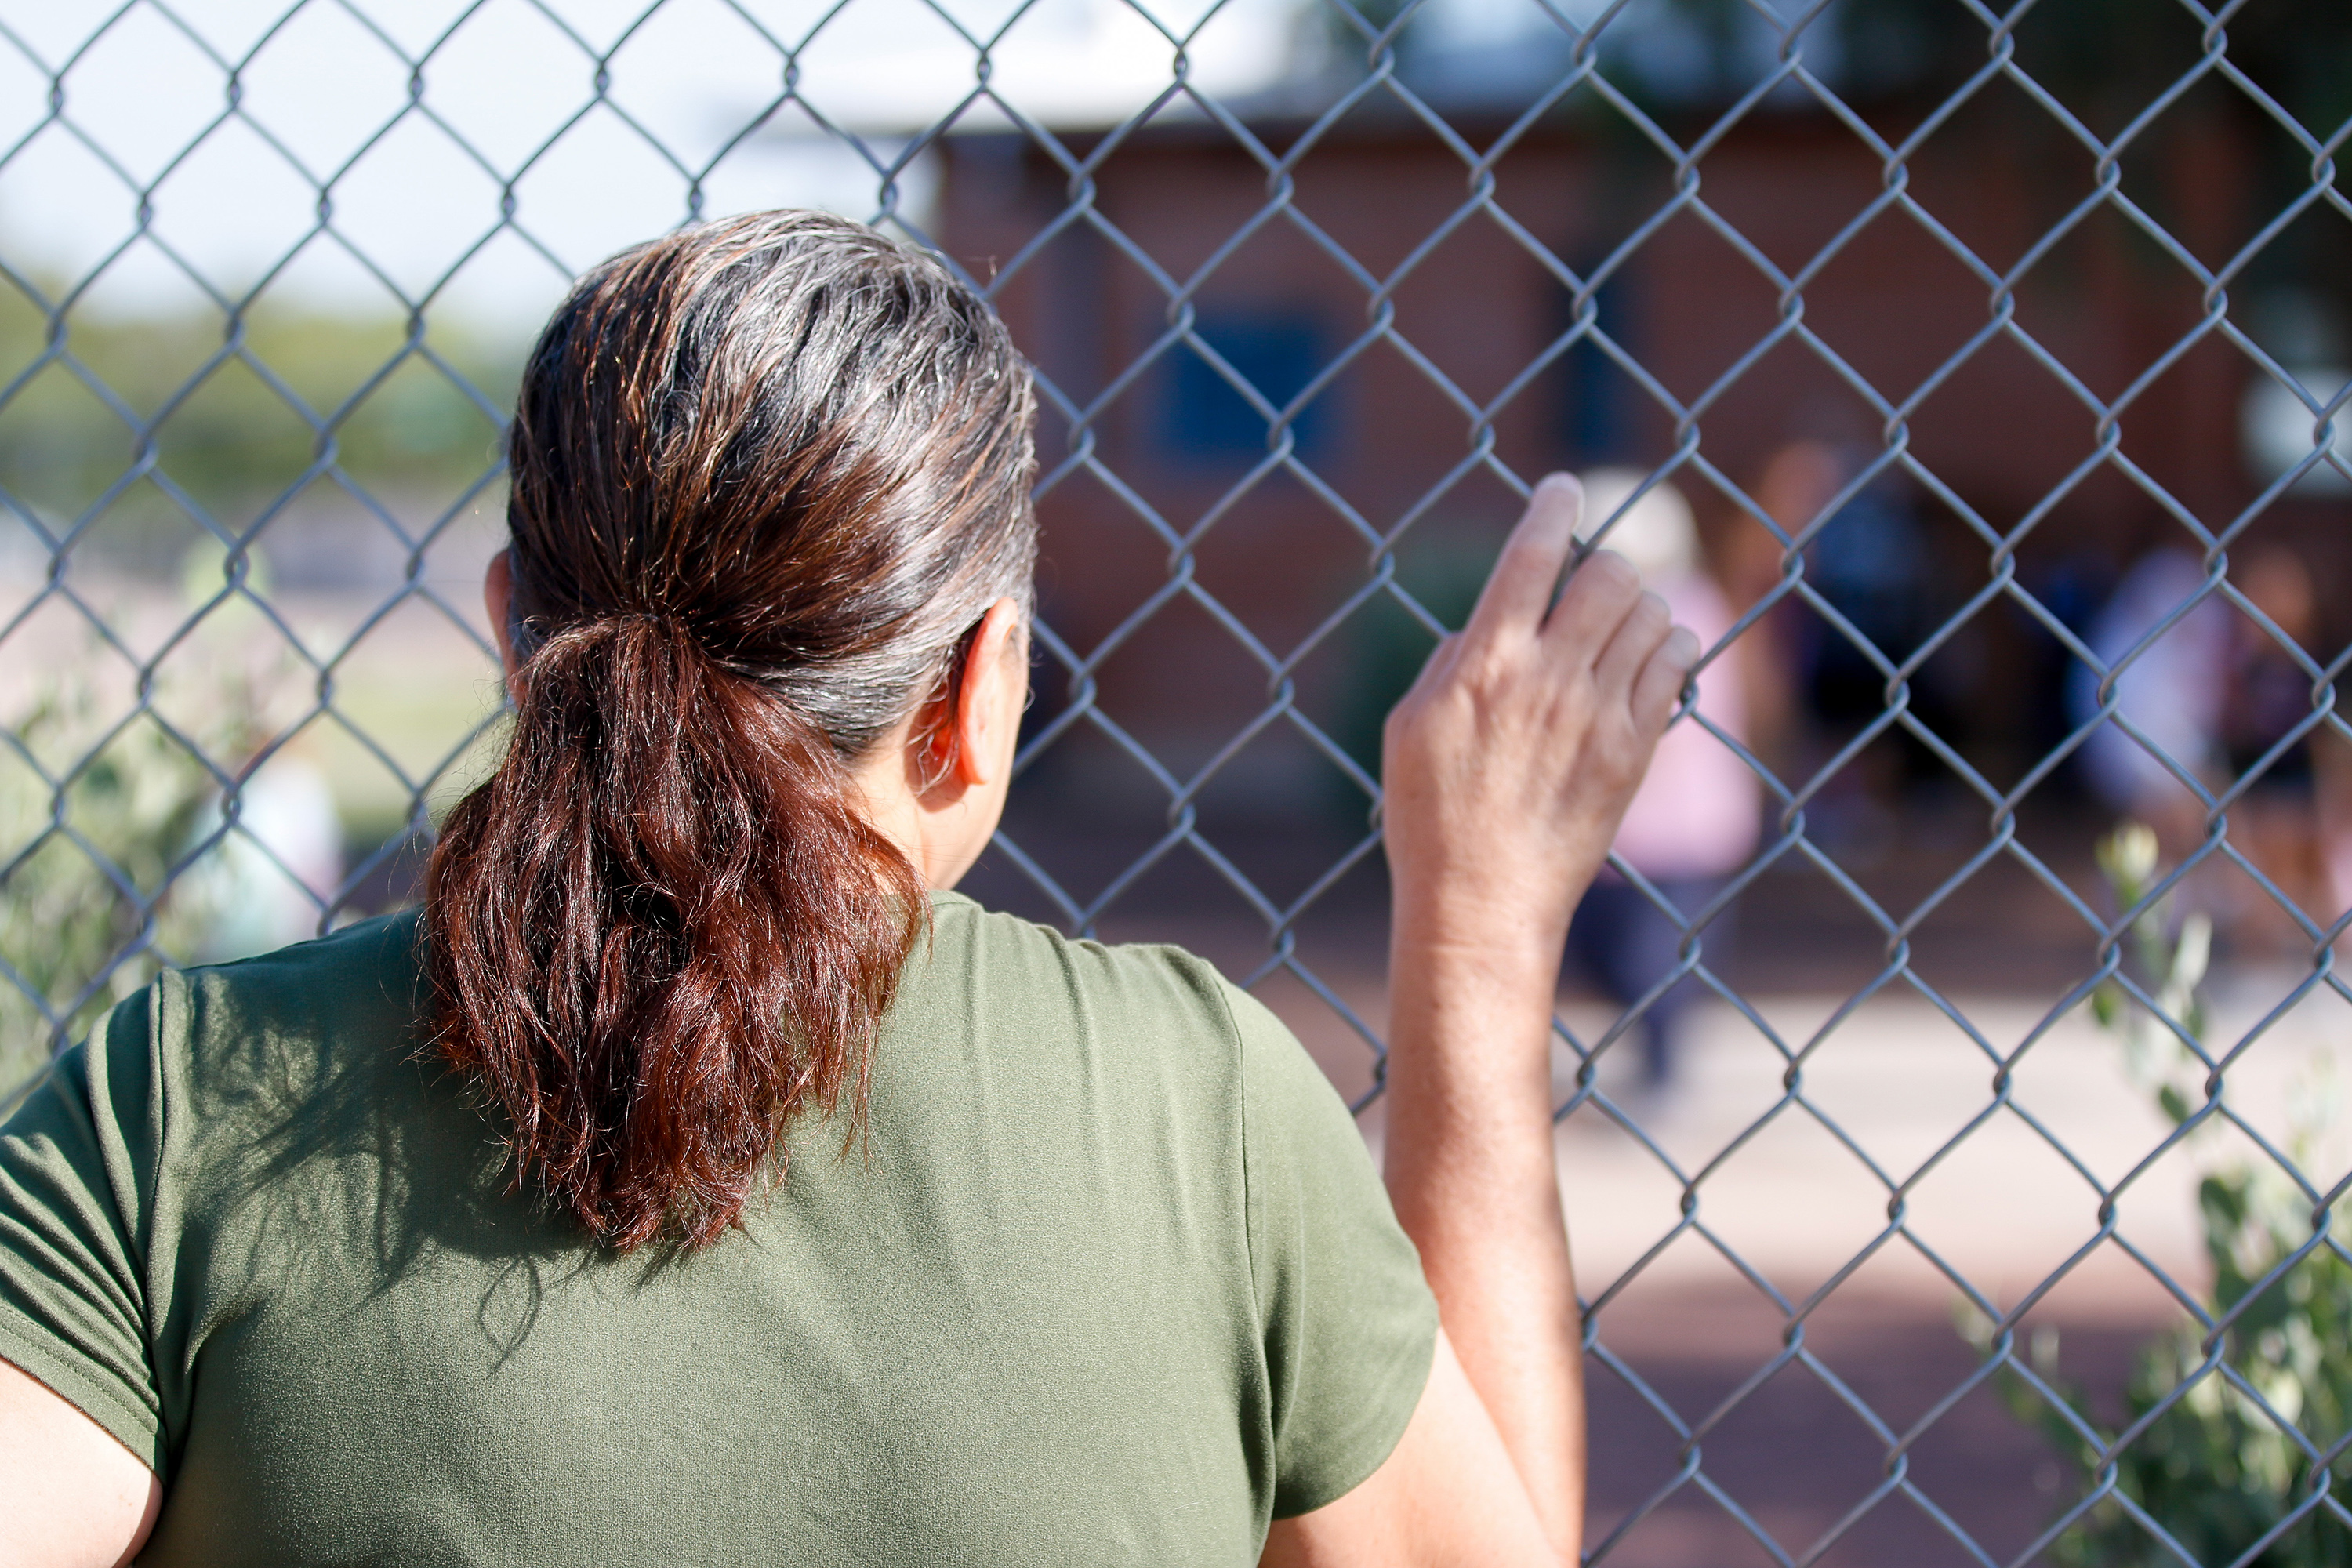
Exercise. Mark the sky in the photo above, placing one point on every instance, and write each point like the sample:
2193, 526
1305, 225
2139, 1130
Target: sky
414, 192
506, 99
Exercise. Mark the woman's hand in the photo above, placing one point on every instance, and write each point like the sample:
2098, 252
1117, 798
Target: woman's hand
1510, 764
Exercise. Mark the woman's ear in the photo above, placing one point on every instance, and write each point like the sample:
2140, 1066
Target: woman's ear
498, 600
992, 696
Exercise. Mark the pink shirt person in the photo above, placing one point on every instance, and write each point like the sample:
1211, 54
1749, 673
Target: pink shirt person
1695, 813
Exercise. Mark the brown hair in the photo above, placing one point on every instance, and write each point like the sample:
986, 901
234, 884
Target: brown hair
768, 475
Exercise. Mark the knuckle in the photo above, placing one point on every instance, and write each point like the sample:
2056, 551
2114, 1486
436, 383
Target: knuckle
1406, 720
1485, 669
1611, 573
1575, 703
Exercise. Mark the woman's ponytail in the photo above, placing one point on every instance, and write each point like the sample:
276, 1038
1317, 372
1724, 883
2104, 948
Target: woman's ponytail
663, 930
767, 474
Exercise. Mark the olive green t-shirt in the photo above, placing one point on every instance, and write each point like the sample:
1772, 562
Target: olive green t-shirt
1111, 1279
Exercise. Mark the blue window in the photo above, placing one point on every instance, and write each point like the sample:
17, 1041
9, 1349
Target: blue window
1276, 352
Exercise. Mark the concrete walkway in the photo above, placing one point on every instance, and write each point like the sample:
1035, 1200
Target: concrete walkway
1793, 1453
2002, 1206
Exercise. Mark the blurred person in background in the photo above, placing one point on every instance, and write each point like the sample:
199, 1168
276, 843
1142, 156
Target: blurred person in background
2278, 822
1870, 563
2219, 693
266, 879
2171, 691
1694, 821
1753, 563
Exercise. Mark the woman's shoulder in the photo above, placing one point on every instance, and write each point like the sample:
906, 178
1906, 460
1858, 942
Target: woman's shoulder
1159, 1021
1020, 962
378, 956
364, 979
214, 1053
211, 1076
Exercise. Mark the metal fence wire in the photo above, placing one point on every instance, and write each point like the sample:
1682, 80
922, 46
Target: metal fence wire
2039, 299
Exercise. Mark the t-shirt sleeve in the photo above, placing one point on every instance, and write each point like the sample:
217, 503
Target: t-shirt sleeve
73, 1176
1349, 1323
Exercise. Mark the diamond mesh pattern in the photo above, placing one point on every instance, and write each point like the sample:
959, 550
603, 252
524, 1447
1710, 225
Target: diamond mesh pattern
380, 173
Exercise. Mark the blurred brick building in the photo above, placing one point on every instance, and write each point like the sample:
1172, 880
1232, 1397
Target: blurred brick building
2008, 431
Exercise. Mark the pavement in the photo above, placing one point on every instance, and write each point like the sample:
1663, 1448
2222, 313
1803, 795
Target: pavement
1898, 1098
1798, 1190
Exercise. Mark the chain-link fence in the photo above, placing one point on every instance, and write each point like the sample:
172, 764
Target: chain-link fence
1969, 377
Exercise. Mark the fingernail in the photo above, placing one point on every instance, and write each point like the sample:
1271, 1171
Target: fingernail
1559, 479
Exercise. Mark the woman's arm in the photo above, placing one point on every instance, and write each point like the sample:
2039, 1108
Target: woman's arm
73, 1496
1507, 769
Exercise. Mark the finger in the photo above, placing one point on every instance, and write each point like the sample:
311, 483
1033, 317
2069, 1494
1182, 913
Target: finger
1520, 587
1658, 689
1601, 593
1637, 636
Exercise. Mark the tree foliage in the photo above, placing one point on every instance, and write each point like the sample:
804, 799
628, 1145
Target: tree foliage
2230, 1430
131, 435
